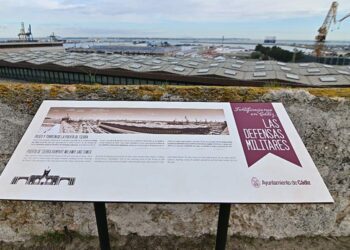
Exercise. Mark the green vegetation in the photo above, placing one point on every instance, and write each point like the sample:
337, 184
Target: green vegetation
255, 55
276, 53
52, 237
57, 237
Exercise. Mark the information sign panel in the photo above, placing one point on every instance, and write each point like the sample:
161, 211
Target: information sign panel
162, 152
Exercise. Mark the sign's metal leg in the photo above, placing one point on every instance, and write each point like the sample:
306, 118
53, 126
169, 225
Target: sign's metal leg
102, 227
221, 234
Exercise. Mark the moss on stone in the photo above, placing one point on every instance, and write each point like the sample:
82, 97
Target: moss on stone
331, 92
28, 97
56, 237
54, 91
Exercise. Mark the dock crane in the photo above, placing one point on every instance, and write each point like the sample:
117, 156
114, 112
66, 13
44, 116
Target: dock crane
23, 35
323, 30
348, 15
340, 20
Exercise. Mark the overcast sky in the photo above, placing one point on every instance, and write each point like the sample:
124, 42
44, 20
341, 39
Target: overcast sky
293, 19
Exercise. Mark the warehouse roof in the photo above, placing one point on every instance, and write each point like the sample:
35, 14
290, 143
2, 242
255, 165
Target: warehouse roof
312, 74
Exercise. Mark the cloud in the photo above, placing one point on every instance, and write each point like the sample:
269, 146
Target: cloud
72, 31
207, 10
156, 15
179, 10
45, 5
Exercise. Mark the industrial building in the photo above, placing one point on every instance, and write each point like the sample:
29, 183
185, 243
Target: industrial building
64, 67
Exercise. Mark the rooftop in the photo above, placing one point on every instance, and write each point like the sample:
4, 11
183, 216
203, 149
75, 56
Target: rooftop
308, 74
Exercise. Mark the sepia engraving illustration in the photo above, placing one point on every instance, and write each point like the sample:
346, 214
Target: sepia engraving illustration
135, 120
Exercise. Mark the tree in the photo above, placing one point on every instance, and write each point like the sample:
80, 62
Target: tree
277, 53
255, 55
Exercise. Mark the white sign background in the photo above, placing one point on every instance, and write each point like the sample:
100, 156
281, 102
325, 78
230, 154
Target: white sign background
206, 174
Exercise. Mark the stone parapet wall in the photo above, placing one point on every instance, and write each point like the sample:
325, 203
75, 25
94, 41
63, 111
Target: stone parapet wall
321, 116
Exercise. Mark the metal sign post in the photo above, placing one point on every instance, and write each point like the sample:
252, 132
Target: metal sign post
223, 221
102, 226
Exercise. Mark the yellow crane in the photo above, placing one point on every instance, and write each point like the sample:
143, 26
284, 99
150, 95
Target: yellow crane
323, 30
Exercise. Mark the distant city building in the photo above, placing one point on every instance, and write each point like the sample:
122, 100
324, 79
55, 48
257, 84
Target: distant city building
270, 39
